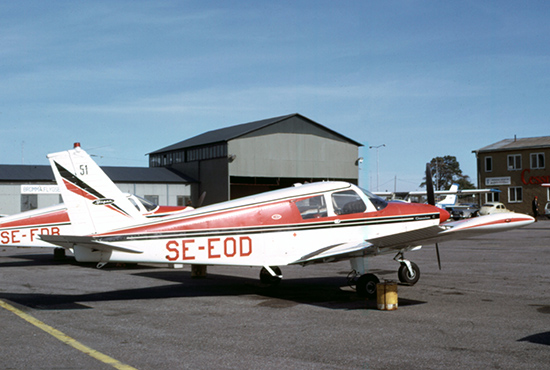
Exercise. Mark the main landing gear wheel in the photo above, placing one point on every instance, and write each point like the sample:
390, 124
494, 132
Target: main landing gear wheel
268, 279
406, 277
366, 286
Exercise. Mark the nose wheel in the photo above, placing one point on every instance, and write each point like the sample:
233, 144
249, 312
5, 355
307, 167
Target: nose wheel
408, 273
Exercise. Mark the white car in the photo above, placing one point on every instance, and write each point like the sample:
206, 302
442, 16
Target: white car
492, 207
547, 209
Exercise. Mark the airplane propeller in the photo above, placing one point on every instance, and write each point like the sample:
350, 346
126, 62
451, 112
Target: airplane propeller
430, 185
431, 201
201, 199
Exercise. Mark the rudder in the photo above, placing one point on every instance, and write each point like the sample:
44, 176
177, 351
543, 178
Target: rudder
95, 204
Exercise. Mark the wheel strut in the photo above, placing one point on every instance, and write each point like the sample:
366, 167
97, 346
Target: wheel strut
399, 257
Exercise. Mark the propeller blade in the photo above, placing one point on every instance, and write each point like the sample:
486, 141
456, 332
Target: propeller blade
201, 199
430, 185
438, 259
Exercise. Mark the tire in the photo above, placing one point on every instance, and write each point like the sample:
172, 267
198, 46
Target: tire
267, 278
405, 276
366, 286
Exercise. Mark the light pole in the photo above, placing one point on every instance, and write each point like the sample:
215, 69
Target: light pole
377, 163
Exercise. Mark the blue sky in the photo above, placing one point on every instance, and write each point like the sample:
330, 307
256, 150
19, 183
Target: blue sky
124, 78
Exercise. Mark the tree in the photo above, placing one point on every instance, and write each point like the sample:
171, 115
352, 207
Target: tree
445, 172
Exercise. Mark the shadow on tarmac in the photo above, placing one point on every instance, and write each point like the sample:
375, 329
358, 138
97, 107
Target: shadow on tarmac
540, 338
322, 292
326, 292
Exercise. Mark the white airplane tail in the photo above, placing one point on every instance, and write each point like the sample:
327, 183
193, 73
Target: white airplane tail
450, 199
95, 204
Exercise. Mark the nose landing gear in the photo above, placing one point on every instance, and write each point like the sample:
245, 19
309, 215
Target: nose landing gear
408, 272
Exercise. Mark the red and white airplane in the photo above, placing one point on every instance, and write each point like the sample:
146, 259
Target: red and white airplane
22, 229
302, 225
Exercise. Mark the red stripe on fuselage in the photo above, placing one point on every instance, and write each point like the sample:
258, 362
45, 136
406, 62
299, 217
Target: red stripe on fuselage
271, 214
56, 217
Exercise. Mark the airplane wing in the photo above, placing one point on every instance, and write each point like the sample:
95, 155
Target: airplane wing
69, 241
459, 191
406, 240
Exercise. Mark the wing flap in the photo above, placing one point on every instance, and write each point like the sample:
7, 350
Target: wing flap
335, 252
69, 241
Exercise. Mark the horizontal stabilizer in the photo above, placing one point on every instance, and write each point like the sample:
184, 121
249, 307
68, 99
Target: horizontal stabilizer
69, 241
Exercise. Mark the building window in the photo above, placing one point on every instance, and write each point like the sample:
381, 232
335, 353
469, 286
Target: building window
537, 160
515, 194
514, 162
206, 152
29, 202
488, 164
492, 197
154, 160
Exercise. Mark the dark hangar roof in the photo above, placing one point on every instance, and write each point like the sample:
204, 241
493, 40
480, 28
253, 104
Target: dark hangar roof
517, 144
233, 132
9, 172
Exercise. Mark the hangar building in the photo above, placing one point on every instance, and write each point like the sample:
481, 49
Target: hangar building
517, 167
263, 155
224, 164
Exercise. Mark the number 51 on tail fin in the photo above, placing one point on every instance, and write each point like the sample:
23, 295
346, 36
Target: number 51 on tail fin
95, 204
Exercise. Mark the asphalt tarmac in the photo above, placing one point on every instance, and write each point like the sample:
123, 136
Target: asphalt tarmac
488, 308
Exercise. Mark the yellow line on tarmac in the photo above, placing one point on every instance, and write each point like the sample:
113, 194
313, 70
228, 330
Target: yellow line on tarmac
66, 339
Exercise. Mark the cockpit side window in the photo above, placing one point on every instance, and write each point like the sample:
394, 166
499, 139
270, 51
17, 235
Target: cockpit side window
347, 202
313, 207
149, 206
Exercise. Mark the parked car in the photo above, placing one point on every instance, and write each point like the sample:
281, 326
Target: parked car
547, 209
492, 207
462, 211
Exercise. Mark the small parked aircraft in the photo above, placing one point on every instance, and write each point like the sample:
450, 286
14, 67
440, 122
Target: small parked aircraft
22, 229
451, 195
302, 225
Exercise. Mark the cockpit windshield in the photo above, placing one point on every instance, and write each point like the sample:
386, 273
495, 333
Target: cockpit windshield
378, 202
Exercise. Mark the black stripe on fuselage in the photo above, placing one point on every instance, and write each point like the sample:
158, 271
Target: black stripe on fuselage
330, 224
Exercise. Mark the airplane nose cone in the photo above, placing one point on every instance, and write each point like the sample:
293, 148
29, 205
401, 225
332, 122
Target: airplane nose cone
444, 215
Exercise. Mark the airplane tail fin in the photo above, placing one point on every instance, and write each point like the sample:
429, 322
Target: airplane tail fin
450, 199
95, 204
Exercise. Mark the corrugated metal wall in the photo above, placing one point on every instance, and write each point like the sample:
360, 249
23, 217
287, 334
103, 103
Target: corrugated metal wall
293, 155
